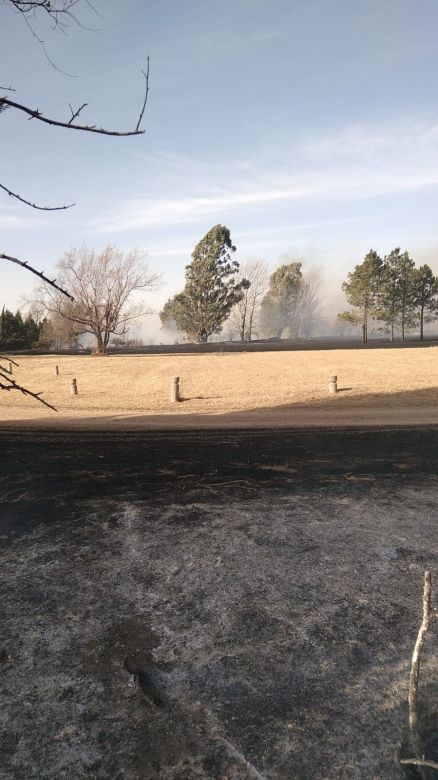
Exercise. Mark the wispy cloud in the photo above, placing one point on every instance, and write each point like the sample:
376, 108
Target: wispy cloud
12, 222
362, 162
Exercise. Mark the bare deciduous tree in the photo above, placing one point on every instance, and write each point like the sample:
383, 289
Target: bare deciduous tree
56, 332
244, 314
101, 286
308, 311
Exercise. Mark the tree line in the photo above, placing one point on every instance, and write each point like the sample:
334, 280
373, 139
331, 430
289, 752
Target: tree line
393, 292
249, 301
220, 298
16, 331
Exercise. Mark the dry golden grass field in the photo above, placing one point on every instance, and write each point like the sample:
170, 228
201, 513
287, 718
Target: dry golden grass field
221, 383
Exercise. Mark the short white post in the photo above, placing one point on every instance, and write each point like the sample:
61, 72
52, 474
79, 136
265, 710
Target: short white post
174, 390
74, 387
56, 371
333, 384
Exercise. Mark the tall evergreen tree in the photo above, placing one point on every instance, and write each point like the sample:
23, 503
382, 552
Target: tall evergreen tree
397, 292
210, 291
425, 296
362, 291
2, 324
16, 332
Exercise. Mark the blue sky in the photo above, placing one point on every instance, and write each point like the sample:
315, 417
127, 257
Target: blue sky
308, 127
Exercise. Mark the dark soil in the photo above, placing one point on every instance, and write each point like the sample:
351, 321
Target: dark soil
215, 604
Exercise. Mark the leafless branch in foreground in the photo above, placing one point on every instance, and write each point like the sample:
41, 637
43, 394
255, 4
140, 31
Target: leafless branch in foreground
35, 205
9, 360
35, 113
12, 385
60, 12
429, 614
146, 76
41, 275
55, 9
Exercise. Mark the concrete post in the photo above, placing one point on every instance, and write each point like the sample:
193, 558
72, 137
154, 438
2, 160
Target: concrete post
74, 387
333, 384
174, 390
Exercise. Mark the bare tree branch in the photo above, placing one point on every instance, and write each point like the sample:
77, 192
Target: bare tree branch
35, 205
37, 114
41, 42
2, 357
59, 11
12, 385
146, 75
41, 275
54, 8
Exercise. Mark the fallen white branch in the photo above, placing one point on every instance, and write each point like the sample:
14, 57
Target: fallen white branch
420, 762
252, 771
429, 614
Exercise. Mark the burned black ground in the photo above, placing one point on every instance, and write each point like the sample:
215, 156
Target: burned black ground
220, 604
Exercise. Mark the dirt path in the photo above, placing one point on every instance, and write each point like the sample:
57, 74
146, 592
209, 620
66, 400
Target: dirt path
290, 417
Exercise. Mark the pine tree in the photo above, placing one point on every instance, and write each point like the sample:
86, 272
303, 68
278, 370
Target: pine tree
425, 295
16, 333
210, 291
362, 291
397, 292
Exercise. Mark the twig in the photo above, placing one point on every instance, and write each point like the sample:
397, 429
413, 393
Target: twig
8, 89
235, 482
35, 205
74, 114
420, 762
41, 275
251, 769
146, 75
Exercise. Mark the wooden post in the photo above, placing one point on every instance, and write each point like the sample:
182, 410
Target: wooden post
10, 368
333, 384
174, 390
56, 371
74, 387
